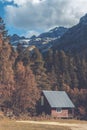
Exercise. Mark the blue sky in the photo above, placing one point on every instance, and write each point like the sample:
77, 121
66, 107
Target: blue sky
28, 17
11, 28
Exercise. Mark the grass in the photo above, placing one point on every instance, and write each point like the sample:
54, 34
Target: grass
6, 124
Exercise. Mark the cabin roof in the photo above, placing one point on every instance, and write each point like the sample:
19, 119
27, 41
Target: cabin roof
58, 99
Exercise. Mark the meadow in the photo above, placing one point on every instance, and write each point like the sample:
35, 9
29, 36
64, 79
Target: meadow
13, 125
9, 124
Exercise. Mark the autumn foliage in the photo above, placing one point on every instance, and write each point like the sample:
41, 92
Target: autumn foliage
23, 75
26, 93
18, 88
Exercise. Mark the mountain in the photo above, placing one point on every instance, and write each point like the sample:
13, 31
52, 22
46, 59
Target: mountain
75, 39
54, 33
72, 40
16, 37
83, 20
43, 41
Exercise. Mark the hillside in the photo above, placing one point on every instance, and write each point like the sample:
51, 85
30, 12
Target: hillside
75, 39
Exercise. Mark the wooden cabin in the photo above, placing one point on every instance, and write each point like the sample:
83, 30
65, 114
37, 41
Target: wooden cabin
57, 104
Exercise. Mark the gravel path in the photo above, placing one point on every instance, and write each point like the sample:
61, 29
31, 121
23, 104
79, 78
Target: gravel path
72, 126
80, 127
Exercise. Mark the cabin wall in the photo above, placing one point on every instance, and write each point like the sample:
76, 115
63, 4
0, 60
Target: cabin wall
64, 113
61, 114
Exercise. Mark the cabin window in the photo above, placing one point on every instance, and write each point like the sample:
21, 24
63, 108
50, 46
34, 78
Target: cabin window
59, 109
42, 100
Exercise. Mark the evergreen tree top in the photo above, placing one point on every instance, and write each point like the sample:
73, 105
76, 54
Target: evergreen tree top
3, 30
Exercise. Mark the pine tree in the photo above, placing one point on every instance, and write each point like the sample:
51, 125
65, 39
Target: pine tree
26, 93
49, 60
23, 55
3, 31
39, 70
6, 65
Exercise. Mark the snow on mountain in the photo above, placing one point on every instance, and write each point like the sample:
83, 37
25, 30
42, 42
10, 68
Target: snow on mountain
54, 33
42, 41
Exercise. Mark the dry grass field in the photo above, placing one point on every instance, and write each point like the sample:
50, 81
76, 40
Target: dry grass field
13, 125
6, 124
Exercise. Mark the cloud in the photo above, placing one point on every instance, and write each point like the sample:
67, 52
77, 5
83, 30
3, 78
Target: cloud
21, 2
3, 1
36, 14
6, 1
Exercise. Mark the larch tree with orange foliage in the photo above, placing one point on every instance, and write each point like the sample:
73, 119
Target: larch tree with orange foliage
26, 92
6, 66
